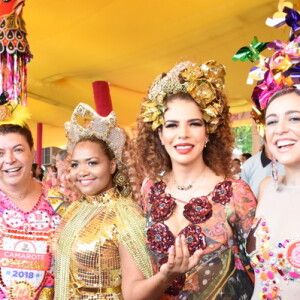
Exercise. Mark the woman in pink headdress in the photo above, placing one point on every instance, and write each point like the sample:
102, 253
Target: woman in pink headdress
274, 241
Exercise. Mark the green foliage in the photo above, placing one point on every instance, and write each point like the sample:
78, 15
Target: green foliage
243, 138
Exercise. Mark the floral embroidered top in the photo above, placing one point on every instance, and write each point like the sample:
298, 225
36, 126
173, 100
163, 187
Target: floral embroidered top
25, 249
274, 244
218, 223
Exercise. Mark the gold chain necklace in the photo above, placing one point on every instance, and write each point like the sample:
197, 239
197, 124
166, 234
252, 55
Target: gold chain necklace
187, 187
194, 187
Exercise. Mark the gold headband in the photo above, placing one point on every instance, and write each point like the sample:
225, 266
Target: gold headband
85, 122
202, 82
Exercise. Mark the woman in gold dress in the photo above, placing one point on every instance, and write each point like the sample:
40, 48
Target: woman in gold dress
94, 227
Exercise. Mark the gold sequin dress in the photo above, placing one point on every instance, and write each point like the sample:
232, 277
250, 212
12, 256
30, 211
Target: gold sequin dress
87, 251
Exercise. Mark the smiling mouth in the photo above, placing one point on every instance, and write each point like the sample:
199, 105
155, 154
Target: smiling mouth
282, 144
86, 181
12, 170
184, 147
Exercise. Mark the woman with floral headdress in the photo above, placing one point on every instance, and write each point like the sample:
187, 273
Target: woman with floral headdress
183, 148
274, 240
104, 219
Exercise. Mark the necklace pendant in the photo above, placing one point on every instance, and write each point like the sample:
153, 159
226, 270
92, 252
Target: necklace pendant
183, 187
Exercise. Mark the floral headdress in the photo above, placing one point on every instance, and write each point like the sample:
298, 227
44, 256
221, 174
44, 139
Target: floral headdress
203, 82
281, 69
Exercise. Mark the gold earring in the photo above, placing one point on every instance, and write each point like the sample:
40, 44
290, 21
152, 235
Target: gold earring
121, 179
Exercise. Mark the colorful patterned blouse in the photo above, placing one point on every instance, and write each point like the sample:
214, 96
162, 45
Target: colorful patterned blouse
25, 249
223, 270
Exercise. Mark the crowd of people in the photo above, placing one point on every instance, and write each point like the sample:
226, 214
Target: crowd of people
165, 213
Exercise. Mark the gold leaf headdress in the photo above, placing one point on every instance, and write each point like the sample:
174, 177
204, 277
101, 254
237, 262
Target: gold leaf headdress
85, 122
202, 82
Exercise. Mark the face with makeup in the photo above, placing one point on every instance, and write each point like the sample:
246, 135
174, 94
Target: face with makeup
283, 128
183, 133
91, 168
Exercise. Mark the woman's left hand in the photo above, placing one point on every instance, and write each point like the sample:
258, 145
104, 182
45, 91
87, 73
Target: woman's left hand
179, 260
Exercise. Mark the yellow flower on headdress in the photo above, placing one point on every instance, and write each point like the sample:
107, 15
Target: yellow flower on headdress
215, 73
192, 73
212, 116
153, 112
213, 110
203, 92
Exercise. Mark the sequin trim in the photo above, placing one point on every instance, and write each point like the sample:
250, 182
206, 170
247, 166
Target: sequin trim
273, 266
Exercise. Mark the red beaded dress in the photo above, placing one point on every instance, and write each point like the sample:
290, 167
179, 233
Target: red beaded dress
218, 223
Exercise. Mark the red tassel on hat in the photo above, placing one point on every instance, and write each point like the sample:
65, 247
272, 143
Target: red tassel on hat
102, 98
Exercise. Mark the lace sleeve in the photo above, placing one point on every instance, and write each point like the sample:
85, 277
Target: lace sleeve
147, 183
244, 205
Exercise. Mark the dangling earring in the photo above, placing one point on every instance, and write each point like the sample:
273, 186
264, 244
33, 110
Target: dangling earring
206, 143
121, 179
275, 173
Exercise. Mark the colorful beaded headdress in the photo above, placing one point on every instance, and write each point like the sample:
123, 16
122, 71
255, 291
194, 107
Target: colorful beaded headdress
14, 56
203, 82
85, 122
281, 69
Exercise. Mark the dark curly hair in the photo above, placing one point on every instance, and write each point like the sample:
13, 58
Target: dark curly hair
149, 158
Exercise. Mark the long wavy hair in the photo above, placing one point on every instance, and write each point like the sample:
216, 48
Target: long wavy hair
147, 157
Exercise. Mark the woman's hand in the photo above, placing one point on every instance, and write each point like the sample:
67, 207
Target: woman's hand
136, 287
180, 261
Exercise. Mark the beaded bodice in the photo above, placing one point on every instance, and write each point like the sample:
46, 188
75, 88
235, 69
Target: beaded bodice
88, 260
214, 225
25, 249
274, 264
196, 211
274, 244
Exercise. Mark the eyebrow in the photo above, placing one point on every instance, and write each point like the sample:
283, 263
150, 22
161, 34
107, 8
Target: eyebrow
191, 120
87, 159
18, 145
287, 113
